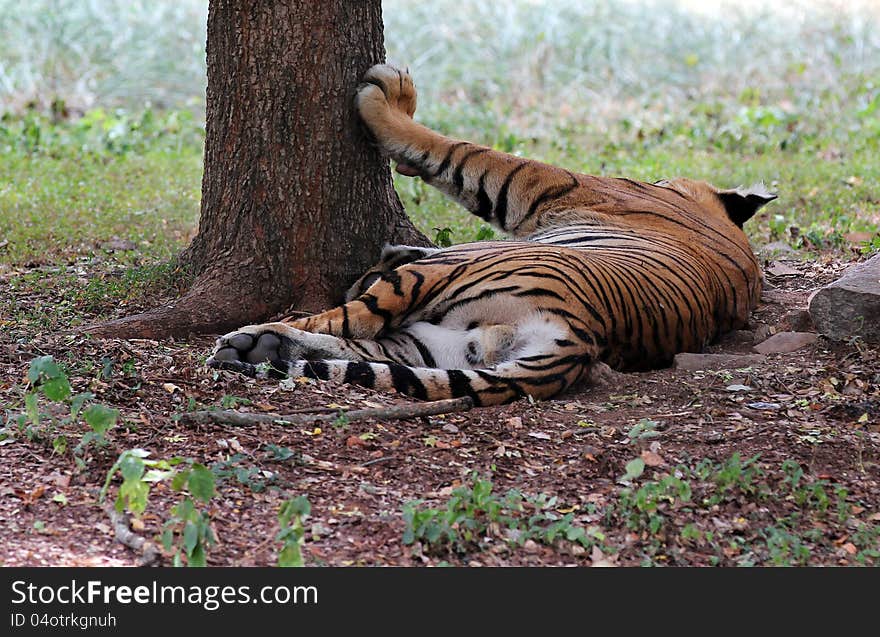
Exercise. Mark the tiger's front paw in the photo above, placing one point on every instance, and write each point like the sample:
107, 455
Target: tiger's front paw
386, 91
250, 346
273, 343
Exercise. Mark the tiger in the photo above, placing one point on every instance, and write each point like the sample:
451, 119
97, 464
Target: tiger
594, 270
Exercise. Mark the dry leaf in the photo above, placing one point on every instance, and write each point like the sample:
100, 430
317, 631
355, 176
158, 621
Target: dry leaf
652, 459
355, 441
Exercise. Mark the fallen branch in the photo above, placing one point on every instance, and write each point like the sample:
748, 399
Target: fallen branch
398, 412
150, 553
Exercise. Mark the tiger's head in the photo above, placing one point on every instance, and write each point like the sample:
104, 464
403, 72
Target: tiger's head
736, 204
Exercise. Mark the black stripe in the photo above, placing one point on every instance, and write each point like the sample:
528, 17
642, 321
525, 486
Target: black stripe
460, 385
552, 192
345, 325
316, 369
360, 373
372, 303
447, 159
406, 381
501, 198
458, 174
424, 351
484, 203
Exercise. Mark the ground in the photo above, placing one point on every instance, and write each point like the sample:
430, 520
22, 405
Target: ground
696, 502
100, 189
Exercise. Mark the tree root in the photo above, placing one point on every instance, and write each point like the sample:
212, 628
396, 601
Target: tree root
397, 412
150, 553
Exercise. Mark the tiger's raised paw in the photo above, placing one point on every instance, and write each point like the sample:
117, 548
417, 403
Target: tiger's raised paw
385, 90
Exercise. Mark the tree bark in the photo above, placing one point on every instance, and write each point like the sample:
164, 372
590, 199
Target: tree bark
296, 203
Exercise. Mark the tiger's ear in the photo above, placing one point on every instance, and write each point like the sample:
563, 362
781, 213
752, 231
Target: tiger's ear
742, 203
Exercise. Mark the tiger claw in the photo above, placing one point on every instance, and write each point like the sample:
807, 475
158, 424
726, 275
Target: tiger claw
248, 369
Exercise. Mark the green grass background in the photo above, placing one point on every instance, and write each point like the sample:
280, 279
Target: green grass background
102, 133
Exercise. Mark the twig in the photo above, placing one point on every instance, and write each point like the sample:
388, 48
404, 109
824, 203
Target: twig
150, 554
398, 412
369, 463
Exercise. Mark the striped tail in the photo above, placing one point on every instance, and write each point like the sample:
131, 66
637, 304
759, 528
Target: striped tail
502, 384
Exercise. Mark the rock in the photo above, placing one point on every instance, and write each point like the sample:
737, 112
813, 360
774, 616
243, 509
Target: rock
778, 268
694, 362
737, 337
762, 333
785, 342
797, 321
850, 306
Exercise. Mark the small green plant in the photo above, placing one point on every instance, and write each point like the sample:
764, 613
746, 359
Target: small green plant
279, 453
291, 516
734, 475
46, 377
231, 402
785, 547
443, 237
643, 430
341, 421
233, 467
138, 473
187, 533
485, 233
474, 513
643, 509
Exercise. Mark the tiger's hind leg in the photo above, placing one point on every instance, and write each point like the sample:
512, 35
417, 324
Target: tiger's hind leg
507, 191
392, 257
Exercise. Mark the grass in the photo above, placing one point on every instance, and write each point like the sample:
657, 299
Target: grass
692, 513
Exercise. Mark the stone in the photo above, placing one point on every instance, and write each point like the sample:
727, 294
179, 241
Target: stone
850, 307
695, 362
762, 333
737, 337
797, 321
786, 342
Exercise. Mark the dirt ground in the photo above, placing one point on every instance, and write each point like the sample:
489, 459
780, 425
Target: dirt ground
819, 406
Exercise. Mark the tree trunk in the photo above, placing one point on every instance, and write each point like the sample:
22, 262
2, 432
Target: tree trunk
296, 203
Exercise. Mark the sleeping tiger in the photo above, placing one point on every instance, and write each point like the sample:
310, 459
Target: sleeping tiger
597, 269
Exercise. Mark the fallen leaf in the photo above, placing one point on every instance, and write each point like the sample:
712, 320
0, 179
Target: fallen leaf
850, 548
355, 441
652, 459
540, 435
736, 388
170, 387
29, 497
